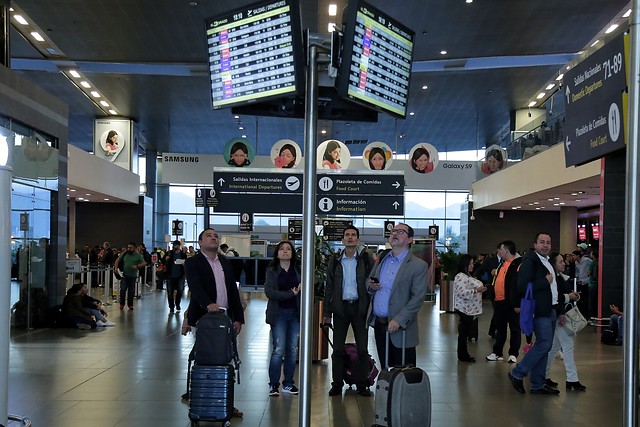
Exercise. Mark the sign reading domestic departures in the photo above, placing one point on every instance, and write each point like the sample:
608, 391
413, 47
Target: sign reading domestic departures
593, 97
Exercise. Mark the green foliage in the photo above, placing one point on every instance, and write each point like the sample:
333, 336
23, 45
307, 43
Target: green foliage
449, 263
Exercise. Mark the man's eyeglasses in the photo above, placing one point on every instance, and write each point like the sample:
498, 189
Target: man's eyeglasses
399, 231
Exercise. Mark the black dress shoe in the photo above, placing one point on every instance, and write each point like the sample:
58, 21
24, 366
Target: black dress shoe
545, 390
467, 359
517, 384
335, 391
576, 386
550, 383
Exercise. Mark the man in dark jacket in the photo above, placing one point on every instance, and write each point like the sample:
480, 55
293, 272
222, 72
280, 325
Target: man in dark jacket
174, 262
506, 305
346, 297
537, 270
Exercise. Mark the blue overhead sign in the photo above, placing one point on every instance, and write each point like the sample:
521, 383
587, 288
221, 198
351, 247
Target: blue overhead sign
593, 95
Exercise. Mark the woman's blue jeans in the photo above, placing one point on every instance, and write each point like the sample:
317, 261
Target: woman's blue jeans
284, 338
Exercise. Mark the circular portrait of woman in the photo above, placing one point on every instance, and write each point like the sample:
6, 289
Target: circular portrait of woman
333, 155
495, 159
238, 152
286, 154
423, 158
377, 156
112, 142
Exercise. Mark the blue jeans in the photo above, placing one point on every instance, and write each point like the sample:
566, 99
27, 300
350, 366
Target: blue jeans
284, 337
535, 360
616, 323
127, 287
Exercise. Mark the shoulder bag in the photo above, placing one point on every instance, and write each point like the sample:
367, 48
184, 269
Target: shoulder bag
575, 321
527, 311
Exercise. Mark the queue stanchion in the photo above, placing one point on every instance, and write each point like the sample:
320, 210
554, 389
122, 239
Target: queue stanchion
153, 276
108, 277
89, 278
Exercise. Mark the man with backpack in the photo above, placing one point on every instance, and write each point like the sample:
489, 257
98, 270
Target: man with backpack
346, 297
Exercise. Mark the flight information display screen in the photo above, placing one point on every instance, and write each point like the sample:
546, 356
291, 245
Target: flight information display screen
376, 59
255, 53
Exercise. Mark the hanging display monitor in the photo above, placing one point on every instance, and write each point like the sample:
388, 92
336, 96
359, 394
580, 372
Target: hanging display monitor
255, 53
375, 66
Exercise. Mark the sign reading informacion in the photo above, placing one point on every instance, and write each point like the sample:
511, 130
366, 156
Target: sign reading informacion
388, 226
333, 229
593, 104
176, 227
294, 229
200, 195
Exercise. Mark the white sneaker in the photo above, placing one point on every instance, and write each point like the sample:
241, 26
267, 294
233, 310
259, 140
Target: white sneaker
494, 357
108, 323
101, 323
513, 359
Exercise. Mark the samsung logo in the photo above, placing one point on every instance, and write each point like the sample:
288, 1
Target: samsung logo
182, 159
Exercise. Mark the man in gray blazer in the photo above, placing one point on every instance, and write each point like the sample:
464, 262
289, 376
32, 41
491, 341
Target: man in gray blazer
398, 283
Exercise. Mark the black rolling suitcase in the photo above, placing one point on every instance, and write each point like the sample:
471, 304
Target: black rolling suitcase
403, 395
211, 393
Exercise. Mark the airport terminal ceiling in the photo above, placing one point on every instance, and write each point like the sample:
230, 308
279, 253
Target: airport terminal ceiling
149, 59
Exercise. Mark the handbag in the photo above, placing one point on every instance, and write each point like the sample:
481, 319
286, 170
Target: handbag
575, 321
527, 311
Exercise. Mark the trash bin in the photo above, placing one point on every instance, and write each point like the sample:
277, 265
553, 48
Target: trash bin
446, 296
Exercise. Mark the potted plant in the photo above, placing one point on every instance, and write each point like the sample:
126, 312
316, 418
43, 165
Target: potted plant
449, 264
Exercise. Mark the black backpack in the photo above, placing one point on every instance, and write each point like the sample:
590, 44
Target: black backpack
215, 340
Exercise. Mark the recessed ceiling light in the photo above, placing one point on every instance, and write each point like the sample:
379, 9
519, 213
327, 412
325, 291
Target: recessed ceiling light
468, 1
87, 194
551, 86
244, 136
333, 9
627, 14
556, 204
556, 198
540, 95
611, 29
574, 194
36, 35
106, 200
104, 103
331, 27
536, 203
323, 131
236, 117
551, 200
84, 83
72, 189
75, 74
412, 113
532, 103
95, 94
559, 77
425, 87
594, 43
443, 52
543, 207
240, 128
537, 209
530, 204
561, 203
20, 19
113, 112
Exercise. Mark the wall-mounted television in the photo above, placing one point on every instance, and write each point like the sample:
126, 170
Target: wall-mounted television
377, 52
255, 53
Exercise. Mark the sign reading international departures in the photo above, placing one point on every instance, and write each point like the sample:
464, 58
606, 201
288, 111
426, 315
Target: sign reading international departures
594, 104
336, 193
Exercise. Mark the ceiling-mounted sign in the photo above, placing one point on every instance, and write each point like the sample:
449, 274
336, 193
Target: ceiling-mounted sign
593, 99
176, 227
582, 233
24, 221
200, 197
388, 226
246, 221
294, 230
333, 229
434, 232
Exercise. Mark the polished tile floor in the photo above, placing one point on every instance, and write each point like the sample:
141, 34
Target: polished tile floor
133, 375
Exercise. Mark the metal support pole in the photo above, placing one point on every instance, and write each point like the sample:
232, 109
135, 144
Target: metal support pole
631, 249
308, 238
5, 268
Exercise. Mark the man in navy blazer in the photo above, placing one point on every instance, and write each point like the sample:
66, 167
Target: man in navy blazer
398, 283
212, 283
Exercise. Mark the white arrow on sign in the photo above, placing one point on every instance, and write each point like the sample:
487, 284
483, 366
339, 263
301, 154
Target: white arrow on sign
395, 205
221, 181
567, 93
567, 144
396, 184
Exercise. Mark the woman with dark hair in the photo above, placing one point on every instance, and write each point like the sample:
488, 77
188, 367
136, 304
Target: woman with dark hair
561, 338
467, 302
111, 143
282, 288
331, 157
493, 162
421, 160
377, 159
239, 155
286, 157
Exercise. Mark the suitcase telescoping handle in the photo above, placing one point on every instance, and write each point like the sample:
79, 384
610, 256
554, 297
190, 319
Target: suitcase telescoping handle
386, 348
324, 327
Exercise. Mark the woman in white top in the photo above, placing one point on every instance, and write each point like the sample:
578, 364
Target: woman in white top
467, 302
